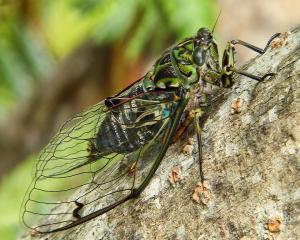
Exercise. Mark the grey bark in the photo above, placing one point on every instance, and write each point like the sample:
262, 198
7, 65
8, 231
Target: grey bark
251, 163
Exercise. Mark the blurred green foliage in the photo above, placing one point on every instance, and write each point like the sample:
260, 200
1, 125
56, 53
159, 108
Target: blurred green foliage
110, 20
22, 59
36, 34
31, 45
12, 192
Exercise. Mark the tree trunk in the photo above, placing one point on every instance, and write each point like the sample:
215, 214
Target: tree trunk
251, 153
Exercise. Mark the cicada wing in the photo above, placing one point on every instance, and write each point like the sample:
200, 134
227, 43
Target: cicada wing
113, 186
62, 166
100, 181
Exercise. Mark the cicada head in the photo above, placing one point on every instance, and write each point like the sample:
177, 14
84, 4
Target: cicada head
202, 44
204, 36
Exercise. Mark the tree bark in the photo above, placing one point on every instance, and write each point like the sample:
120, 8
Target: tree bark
251, 154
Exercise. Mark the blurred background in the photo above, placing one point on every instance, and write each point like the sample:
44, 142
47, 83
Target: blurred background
59, 57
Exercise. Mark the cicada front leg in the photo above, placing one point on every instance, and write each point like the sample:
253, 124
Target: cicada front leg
228, 69
254, 48
230, 49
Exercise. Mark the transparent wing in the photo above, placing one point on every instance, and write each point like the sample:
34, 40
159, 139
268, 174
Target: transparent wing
72, 164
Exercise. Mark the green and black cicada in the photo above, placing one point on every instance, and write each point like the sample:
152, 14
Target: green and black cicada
109, 153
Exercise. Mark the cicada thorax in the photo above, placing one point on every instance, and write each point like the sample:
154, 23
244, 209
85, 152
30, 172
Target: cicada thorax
184, 66
175, 68
164, 75
188, 62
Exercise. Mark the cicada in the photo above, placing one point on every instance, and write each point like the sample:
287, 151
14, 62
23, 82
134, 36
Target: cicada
109, 153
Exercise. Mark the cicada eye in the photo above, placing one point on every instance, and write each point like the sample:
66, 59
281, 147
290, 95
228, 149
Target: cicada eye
199, 55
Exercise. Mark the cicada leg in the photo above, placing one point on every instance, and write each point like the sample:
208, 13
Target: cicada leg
184, 125
194, 116
254, 48
225, 76
198, 114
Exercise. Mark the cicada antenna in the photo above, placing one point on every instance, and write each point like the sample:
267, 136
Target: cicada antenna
216, 21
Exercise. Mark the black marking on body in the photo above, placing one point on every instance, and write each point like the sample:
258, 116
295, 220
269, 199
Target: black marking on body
165, 68
133, 124
167, 72
165, 59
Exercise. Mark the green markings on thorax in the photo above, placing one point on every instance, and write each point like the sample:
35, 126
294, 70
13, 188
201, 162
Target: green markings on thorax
174, 68
181, 57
